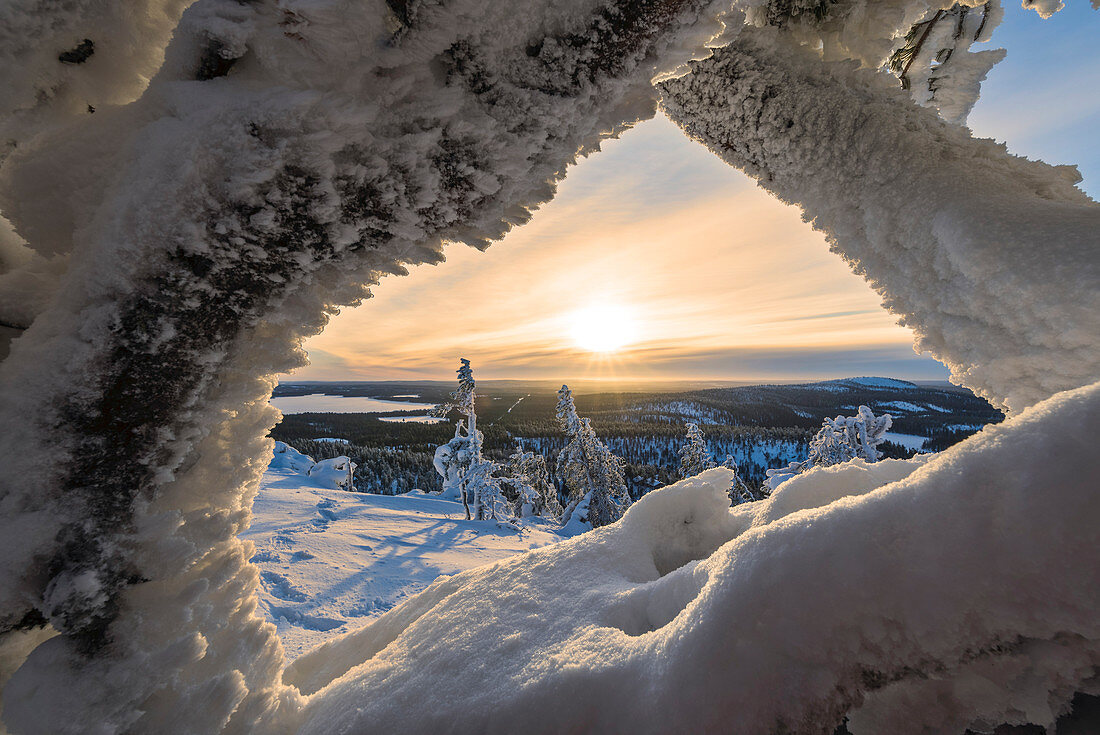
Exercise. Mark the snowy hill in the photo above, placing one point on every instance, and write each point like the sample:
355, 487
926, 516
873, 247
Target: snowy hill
878, 383
331, 560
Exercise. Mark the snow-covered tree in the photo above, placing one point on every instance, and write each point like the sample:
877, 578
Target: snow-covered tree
840, 439
848, 437
770, 105
451, 461
739, 491
462, 462
463, 399
591, 474
694, 457
483, 487
532, 492
934, 62
932, 59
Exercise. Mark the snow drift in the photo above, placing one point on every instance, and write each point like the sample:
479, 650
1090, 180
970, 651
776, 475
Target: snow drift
902, 578
287, 154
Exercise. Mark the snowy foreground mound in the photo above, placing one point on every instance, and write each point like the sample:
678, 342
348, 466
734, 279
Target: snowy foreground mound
915, 596
286, 155
332, 560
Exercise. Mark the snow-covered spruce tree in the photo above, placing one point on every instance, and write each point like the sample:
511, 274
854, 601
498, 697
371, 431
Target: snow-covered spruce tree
461, 462
475, 482
591, 474
739, 491
484, 486
839, 440
324, 148
532, 492
694, 457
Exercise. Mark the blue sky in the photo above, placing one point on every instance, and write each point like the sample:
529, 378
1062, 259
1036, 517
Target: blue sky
713, 277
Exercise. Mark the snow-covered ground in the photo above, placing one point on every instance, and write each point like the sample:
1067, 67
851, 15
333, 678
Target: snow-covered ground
879, 592
331, 561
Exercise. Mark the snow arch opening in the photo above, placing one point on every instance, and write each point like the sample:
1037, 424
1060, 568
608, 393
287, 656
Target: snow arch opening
186, 242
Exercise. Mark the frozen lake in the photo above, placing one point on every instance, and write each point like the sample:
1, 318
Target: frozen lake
321, 403
909, 441
412, 419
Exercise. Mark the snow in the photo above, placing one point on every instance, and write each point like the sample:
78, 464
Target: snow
854, 588
950, 244
184, 244
1045, 8
281, 161
331, 561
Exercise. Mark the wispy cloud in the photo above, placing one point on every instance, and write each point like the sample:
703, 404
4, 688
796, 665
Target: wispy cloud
722, 280
711, 269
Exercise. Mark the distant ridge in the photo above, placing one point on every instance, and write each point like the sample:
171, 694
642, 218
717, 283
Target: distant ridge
869, 382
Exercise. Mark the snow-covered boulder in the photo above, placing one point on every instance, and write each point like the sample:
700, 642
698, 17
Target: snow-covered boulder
287, 457
337, 473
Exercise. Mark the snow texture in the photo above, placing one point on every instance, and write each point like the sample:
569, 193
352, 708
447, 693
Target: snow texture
893, 589
284, 156
288, 154
962, 240
331, 561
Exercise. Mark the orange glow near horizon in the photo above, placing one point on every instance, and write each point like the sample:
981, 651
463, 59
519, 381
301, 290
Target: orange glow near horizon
656, 261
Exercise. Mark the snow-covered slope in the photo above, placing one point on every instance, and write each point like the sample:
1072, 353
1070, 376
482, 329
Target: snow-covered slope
915, 596
332, 560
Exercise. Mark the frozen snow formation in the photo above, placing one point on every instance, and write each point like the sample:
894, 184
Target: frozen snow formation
335, 473
178, 227
919, 580
285, 155
963, 240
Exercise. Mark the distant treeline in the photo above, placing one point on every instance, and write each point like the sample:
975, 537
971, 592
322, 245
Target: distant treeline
760, 426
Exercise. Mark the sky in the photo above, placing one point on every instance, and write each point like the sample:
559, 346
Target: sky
656, 261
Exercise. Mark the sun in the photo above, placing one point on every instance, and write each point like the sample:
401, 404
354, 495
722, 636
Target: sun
603, 328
